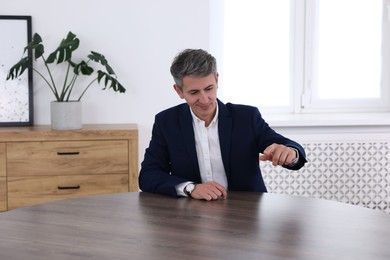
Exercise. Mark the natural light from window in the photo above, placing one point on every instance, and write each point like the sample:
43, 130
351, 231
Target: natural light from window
256, 52
306, 56
349, 49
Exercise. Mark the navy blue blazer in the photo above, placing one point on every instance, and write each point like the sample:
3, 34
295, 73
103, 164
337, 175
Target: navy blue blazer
171, 156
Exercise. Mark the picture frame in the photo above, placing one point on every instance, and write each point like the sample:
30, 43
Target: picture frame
16, 96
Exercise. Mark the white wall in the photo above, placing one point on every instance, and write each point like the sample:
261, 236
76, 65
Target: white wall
138, 37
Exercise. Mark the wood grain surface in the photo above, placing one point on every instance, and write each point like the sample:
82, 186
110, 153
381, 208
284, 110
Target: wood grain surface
150, 226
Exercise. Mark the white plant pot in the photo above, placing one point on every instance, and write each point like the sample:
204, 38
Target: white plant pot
65, 115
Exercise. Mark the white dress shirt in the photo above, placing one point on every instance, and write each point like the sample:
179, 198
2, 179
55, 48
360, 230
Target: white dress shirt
208, 151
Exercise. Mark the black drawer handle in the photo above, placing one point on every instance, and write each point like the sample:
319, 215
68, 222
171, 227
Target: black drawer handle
68, 153
76, 187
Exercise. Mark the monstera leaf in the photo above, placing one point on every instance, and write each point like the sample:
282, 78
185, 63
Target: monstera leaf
115, 85
35, 47
65, 50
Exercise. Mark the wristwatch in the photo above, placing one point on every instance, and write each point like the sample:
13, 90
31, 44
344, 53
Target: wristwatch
189, 189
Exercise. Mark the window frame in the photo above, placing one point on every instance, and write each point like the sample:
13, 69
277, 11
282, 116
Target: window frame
302, 49
309, 103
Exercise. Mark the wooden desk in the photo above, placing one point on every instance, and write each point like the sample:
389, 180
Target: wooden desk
150, 226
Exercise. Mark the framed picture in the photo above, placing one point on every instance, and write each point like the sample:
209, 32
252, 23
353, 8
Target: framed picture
16, 96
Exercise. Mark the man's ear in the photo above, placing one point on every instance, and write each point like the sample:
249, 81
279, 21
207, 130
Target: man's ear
178, 91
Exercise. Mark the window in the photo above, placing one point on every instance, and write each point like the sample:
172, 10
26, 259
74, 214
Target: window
306, 56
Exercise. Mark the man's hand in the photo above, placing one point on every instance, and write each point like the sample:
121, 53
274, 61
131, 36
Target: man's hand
278, 154
209, 191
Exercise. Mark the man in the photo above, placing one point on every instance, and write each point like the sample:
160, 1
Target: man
203, 148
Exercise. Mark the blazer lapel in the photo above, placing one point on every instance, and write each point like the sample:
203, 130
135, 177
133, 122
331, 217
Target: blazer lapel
189, 137
225, 134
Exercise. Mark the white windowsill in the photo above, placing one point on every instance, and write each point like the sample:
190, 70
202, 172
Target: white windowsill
328, 120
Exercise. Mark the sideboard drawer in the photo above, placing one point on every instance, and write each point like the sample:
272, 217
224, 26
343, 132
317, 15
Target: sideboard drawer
25, 191
67, 157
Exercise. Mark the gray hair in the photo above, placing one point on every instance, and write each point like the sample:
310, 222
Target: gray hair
192, 62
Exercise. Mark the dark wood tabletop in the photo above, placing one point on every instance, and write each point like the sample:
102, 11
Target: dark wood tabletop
149, 226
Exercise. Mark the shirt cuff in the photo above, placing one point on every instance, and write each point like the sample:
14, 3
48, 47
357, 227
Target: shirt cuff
180, 188
293, 163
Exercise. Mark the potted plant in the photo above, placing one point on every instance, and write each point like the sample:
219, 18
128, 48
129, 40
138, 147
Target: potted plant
61, 119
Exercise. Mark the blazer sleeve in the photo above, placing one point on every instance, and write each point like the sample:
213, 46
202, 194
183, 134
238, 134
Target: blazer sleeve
267, 136
155, 174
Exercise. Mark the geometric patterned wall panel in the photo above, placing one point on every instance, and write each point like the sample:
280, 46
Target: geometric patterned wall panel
356, 172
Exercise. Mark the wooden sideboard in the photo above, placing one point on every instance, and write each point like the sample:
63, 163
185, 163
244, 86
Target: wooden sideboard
39, 165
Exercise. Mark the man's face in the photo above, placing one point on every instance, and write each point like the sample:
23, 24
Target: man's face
200, 93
